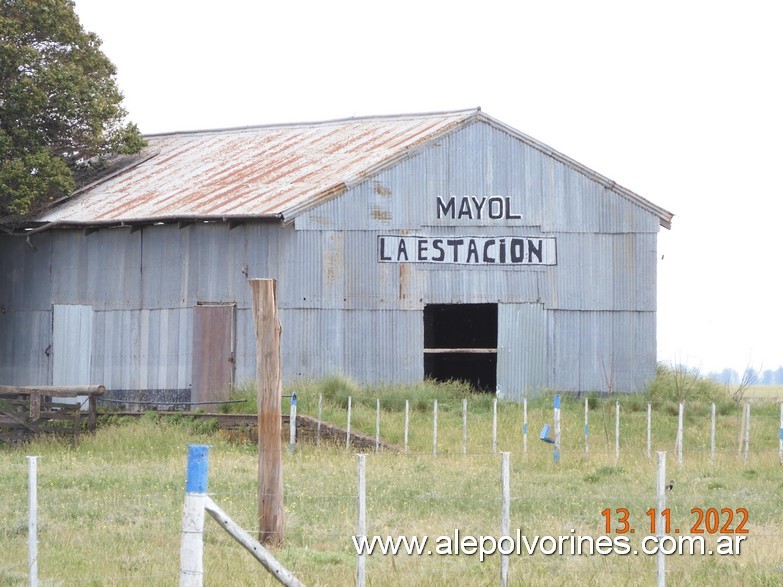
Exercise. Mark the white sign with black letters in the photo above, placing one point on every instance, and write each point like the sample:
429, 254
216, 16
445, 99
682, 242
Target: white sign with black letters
468, 250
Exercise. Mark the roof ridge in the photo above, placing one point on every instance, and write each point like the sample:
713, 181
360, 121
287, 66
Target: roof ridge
466, 113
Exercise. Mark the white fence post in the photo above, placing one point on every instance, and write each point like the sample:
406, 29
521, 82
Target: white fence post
747, 430
348, 427
659, 520
464, 426
32, 520
557, 429
191, 554
292, 425
505, 513
377, 424
587, 426
318, 428
679, 442
649, 431
780, 436
617, 431
407, 410
495, 426
524, 426
435, 428
712, 435
252, 545
361, 528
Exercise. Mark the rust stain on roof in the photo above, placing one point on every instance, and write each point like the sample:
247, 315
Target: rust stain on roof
257, 171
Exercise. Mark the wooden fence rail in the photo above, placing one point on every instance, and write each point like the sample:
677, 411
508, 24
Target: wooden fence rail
30, 410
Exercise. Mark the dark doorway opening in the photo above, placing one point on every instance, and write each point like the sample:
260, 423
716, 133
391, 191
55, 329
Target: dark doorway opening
460, 342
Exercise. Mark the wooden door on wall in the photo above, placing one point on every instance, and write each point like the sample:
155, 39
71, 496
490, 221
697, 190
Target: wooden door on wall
213, 353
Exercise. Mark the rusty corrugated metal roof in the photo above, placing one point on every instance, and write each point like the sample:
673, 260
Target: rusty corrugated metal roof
265, 171
271, 171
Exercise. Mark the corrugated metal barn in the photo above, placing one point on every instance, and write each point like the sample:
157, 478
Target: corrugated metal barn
443, 245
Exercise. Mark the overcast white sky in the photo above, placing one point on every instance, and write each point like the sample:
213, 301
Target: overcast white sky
678, 101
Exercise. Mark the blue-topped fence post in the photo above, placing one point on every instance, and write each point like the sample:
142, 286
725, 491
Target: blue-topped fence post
292, 425
191, 554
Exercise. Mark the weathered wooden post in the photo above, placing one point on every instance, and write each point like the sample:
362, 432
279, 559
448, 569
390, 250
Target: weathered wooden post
271, 516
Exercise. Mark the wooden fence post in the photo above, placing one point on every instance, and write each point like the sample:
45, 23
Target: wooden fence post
271, 515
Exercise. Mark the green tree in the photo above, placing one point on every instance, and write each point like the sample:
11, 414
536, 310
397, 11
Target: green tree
59, 105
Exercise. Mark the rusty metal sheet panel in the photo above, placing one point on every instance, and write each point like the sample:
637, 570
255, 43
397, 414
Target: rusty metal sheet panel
263, 171
213, 352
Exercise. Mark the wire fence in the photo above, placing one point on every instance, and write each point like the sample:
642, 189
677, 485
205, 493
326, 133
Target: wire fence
112, 515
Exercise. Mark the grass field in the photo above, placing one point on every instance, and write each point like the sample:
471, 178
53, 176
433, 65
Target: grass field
110, 508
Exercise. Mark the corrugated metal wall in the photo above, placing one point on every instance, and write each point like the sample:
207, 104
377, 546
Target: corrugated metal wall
562, 327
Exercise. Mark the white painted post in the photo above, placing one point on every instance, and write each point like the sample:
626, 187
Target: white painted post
587, 426
617, 431
191, 553
557, 429
659, 520
406, 425
32, 520
318, 427
780, 436
348, 427
524, 426
361, 529
495, 426
252, 545
435, 428
464, 426
377, 424
712, 435
292, 425
649, 431
679, 434
505, 513
747, 430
